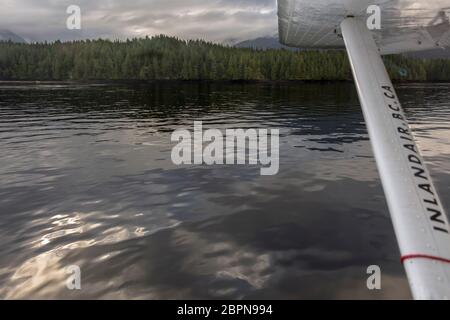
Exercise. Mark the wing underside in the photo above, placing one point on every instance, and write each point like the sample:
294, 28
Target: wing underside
406, 25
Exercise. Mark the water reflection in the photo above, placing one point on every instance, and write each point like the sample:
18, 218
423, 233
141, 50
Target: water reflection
87, 180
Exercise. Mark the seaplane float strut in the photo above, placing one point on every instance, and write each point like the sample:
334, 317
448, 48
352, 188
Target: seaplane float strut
420, 223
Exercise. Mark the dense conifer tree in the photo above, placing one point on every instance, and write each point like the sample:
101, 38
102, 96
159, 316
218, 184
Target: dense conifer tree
163, 57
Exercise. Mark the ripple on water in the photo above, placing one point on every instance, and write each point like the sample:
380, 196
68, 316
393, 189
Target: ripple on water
87, 180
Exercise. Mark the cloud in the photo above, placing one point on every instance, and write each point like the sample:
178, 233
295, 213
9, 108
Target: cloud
214, 20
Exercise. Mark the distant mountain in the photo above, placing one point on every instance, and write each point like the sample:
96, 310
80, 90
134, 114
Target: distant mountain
6, 35
263, 43
230, 42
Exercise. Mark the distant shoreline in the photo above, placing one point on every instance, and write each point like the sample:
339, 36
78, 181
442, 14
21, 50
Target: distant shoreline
161, 57
132, 81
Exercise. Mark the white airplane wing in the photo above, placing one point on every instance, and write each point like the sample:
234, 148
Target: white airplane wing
406, 25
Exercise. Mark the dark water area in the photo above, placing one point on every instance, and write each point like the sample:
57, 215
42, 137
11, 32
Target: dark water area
87, 179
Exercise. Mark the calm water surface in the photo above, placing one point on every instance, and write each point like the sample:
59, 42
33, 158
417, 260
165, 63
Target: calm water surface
87, 180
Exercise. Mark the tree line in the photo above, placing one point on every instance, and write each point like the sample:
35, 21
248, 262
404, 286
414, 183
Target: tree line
168, 58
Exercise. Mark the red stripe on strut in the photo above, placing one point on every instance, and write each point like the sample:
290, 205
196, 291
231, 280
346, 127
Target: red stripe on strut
423, 256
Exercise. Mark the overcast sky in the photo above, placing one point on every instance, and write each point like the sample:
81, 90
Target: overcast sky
214, 20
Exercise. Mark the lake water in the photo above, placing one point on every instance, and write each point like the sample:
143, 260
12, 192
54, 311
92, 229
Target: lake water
87, 180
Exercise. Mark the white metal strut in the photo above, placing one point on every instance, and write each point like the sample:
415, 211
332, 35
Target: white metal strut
420, 223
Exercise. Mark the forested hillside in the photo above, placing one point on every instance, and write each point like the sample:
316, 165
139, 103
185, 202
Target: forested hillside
163, 57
